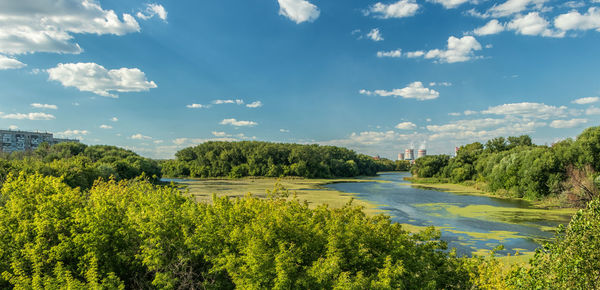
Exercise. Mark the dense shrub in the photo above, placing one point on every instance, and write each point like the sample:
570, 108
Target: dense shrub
132, 234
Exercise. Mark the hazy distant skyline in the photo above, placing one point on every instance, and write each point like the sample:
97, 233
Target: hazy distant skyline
375, 77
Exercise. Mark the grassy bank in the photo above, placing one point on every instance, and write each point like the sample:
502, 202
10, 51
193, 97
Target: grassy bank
310, 190
471, 188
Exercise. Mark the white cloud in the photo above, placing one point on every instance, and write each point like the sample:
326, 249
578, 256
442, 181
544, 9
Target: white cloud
105, 126
72, 133
415, 90
219, 134
220, 102
450, 4
256, 104
576, 21
298, 10
28, 116
470, 112
92, 77
458, 50
415, 54
392, 53
284, 130
158, 141
44, 106
153, 10
196, 106
29, 26
399, 9
13, 127
406, 126
492, 27
592, 111
114, 119
455, 114
533, 24
467, 125
9, 63
237, 123
511, 7
567, 123
587, 100
440, 84
527, 110
375, 34
139, 136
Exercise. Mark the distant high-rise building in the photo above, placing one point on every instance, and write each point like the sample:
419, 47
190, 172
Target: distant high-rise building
24, 141
421, 153
400, 156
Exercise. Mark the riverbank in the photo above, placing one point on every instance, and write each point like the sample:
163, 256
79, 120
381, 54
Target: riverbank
435, 184
311, 190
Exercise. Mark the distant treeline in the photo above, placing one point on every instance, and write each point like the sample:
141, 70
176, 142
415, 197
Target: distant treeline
252, 158
79, 164
514, 166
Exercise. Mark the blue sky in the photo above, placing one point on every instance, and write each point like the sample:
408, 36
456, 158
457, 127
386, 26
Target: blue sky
373, 76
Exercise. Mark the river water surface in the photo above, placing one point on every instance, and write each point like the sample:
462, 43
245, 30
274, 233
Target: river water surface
469, 223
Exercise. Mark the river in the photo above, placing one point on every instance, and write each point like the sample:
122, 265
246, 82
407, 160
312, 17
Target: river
469, 223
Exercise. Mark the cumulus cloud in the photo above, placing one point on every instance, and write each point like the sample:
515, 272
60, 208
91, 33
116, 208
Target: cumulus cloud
153, 10
492, 27
455, 114
406, 126
114, 119
256, 104
450, 4
284, 130
29, 26
399, 9
533, 24
92, 77
527, 110
196, 106
105, 126
587, 100
375, 34
576, 21
13, 127
9, 63
44, 106
139, 136
27, 116
415, 90
559, 124
234, 122
298, 10
72, 133
458, 50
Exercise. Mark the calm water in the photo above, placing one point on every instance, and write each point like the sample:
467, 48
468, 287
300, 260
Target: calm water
424, 207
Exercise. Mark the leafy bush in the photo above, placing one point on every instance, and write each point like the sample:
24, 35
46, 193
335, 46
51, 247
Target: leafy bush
132, 234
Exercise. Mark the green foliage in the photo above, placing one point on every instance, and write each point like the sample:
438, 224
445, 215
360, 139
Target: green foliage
132, 234
80, 165
571, 261
515, 167
251, 158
